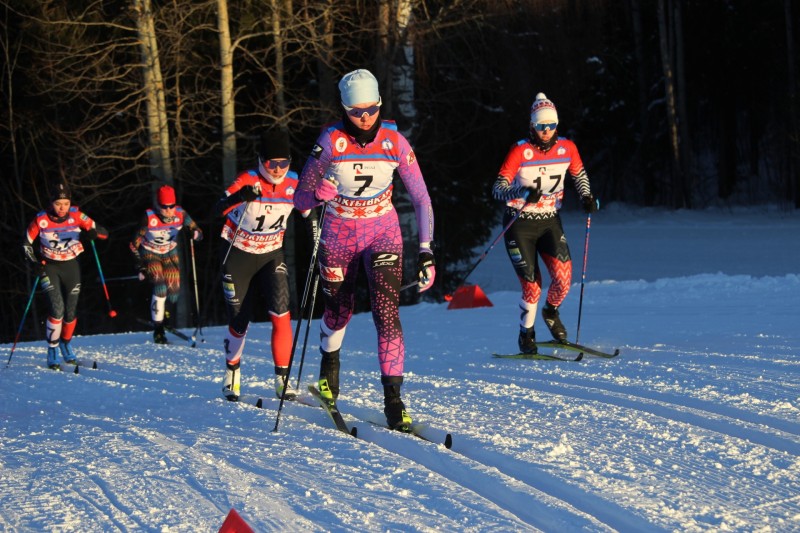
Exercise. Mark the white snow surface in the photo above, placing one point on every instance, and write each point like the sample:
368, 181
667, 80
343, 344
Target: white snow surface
694, 427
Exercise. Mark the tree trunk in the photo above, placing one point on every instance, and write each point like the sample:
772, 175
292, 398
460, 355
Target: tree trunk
396, 55
793, 139
157, 124
228, 111
687, 180
642, 96
672, 116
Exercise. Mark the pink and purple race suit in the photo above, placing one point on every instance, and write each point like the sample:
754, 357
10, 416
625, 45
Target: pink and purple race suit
361, 227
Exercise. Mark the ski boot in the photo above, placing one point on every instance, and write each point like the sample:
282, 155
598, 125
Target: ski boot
67, 353
329, 375
281, 379
231, 385
52, 358
159, 336
527, 340
551, 318
394, 409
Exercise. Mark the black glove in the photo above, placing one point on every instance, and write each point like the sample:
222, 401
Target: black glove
102, 232
590, 205
30, 255
534, 194
248, 193
426, 270
91, 234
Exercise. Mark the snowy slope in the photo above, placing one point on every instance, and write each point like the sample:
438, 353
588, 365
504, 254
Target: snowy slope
695, 427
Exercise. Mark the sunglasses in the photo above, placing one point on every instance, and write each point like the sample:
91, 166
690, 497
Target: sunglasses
272, 164
170, 206
359, 112
544, 127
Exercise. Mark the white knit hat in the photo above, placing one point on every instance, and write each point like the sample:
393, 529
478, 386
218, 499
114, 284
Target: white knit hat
543, 111
359, 87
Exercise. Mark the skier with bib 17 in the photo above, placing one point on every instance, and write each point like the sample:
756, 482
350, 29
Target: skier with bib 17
531, 180
350, 171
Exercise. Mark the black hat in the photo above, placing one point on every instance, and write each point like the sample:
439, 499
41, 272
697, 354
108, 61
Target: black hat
61, 192
274, 145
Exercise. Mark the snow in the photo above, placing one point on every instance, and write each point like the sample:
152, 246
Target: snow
694, 427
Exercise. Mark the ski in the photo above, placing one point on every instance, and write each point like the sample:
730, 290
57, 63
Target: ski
192, 340
74, 367
578, 348
537, 356
418, 430
181, 335
333, 412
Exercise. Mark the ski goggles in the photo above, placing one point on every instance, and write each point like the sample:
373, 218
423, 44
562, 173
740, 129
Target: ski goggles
359, 112
281, 164
170, 206
544, 126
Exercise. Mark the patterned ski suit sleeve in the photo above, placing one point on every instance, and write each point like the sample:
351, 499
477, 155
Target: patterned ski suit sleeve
313, 171
411, 175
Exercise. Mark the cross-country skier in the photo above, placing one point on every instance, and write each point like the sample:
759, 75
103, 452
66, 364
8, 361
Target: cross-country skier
350, 170
537, 166
155, 250
58, 229
257, 206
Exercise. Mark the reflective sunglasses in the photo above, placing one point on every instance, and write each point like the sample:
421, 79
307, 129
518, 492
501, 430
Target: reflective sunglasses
170, 206
281, 164
358, 112
544, 127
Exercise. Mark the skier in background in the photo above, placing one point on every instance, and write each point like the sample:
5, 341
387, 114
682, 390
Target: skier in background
58, 229
257, 206
350, 170
155, 250
531, 179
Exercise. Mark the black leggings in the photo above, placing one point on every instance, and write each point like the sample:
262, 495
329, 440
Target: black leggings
246, 275
62, 286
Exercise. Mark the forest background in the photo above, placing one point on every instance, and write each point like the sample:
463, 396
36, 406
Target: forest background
682, 104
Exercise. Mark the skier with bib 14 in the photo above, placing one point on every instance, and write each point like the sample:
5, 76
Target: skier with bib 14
256, 207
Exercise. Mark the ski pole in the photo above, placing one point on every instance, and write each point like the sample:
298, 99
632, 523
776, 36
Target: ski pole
303, 308
121, 278
194, 277
583, 275
209, 292
310, 312
111, 311
514, 218
235, 233
24, 315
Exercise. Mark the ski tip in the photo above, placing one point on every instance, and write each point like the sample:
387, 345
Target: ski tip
448, 441
616, 352
354, 431
580, 357
260, 403
94, 365
77, 369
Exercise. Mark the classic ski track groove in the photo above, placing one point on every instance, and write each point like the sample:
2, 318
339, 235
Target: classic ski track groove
531, 505
728, 421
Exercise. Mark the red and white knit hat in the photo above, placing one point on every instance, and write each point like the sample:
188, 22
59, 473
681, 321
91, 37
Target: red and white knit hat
543, 111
